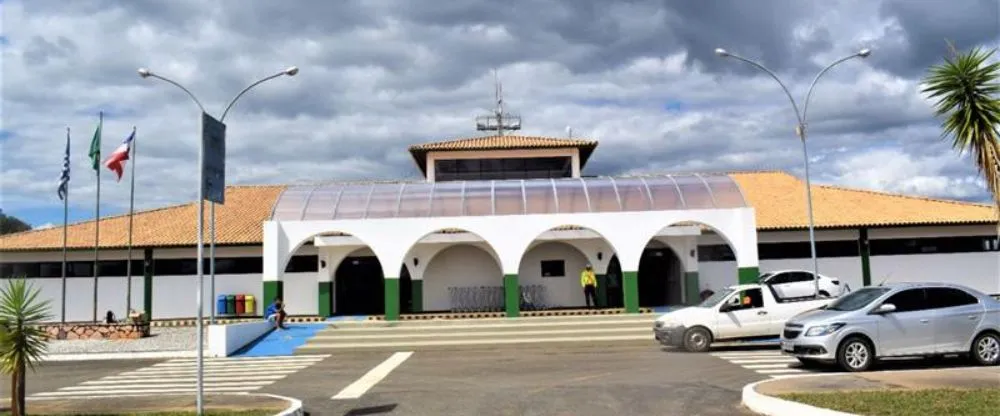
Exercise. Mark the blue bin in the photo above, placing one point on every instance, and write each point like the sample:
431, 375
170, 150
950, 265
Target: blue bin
220, 305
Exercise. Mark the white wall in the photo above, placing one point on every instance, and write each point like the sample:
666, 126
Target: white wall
977, 270
80, 296
559, 291
459, 266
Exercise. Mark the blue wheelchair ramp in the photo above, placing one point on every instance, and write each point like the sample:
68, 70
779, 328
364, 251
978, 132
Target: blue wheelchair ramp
281, 342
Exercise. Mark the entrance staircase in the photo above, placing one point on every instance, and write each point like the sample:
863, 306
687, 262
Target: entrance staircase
365, 335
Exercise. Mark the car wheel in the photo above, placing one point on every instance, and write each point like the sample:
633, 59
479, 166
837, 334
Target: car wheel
697, 339
855, 354
986, 349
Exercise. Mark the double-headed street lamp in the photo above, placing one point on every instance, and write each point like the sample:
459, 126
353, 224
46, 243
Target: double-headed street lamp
146, 73
800, 130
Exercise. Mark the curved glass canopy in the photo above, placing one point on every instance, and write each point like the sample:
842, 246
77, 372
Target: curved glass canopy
348, 201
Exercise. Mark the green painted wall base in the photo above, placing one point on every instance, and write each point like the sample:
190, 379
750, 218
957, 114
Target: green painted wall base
691, 288
512, 295
325, 299
630, 286
391, 298
748, 275
416, 295
602, 290
272, 289
147, 283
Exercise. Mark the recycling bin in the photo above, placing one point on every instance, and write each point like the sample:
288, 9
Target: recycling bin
239, 304
230, 304
251, 306
220, 305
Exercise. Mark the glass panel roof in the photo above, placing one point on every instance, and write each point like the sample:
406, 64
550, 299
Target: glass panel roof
346, 201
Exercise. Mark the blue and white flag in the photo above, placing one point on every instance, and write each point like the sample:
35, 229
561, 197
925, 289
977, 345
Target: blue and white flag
64, 179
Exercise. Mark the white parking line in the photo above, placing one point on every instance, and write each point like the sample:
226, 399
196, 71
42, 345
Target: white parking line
372, 377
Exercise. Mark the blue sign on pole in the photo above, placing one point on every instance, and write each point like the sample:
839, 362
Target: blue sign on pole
213, 140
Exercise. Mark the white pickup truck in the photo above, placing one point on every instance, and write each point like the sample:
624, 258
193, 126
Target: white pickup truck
737, 313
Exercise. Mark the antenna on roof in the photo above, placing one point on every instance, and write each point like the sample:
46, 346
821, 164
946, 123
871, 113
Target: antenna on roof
886, 279
499, 120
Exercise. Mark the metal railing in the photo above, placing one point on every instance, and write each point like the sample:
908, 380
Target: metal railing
491, 298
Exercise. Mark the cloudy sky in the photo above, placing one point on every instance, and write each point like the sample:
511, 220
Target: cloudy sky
377, 76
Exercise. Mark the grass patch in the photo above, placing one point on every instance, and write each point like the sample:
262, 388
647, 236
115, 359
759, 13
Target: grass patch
207, 413
971, 402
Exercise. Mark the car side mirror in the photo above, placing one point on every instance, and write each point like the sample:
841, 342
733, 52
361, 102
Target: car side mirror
885, 308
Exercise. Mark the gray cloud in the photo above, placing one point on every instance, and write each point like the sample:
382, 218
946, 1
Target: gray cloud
639, 76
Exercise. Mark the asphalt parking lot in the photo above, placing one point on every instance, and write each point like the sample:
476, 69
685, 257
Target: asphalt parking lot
569, 379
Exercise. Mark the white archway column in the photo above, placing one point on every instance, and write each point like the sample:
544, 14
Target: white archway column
743, 235
330, 258
275, 252
686, 249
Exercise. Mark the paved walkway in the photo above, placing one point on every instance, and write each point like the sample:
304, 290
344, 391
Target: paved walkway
107, 405
954, 378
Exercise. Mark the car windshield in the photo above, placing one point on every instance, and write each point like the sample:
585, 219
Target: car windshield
857, 299
715, 298
764, 277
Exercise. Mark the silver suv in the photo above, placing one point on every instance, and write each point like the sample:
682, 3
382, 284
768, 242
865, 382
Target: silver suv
897, 320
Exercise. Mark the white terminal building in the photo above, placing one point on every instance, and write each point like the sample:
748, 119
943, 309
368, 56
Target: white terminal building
507, 223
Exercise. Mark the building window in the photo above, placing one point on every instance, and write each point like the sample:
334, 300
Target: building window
717, 252
503, 168
302, 264
553, 268
936, 245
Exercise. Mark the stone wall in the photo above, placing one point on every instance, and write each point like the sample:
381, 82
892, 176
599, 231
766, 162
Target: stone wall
96, 331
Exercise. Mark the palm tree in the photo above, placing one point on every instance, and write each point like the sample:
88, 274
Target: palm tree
22, 342
968, 97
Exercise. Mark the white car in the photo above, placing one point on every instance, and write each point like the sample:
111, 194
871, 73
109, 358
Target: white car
789, 284
736, 313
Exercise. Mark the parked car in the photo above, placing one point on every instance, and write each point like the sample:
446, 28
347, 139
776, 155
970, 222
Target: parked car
897, 320
742, 312
800, 284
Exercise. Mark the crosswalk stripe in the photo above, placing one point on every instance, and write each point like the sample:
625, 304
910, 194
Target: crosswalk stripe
782, 370
235, 374
187, 378
738, 353
760, 366
765, 360
748, 357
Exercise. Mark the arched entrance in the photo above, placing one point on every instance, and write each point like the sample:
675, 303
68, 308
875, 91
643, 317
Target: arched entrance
615, 294
660, 277
359, 285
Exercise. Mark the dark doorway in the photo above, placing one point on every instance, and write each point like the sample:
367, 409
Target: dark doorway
359, 282
616, 297
659, 278
405, 291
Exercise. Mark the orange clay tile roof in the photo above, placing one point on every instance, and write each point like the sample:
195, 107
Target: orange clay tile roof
239, 221
778, 198
505, 142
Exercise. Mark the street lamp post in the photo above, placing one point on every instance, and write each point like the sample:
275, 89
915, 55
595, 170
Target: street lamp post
800, 131
146, 73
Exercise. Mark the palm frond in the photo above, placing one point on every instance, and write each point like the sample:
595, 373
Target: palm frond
22, 342
966, 89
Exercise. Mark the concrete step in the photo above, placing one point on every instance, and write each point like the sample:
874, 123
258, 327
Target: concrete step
637, 338
582, 320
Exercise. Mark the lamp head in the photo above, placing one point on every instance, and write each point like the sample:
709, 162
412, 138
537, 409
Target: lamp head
864, 53
144, 72
721, 52
291, 71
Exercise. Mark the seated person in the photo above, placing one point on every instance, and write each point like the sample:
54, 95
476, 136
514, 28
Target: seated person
276, 312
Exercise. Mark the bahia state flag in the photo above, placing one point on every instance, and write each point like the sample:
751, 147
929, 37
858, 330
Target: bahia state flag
116, 162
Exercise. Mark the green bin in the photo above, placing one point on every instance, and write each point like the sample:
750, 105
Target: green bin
231, 304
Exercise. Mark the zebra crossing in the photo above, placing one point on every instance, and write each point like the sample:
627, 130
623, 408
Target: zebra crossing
178, 376
771, 363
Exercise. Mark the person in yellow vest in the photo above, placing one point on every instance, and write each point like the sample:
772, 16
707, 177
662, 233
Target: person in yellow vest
589, 282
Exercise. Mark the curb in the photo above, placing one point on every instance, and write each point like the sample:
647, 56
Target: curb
773, 406
293, 409
140, 355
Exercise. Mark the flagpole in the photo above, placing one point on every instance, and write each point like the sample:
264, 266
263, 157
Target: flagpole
65, 225
131, 206
97, 218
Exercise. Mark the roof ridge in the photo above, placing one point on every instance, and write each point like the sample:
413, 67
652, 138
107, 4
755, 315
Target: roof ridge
577, 141
905, 196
